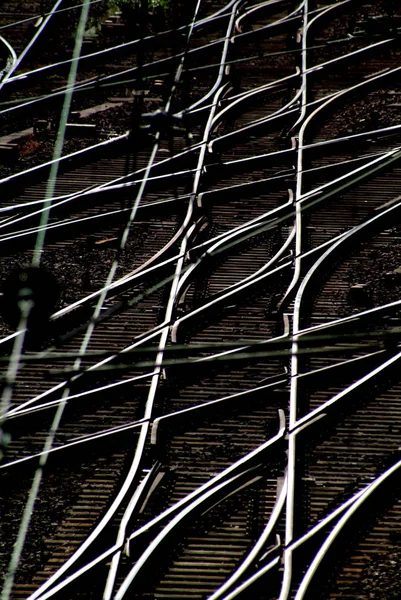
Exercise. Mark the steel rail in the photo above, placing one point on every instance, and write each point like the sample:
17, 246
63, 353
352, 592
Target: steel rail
311, 146
278, 343
270, 4
74, 443
375, 222
145, 266
42, 15
294, 368
65, 158
226, 297
213, 487
201, 495
110, 185
12, 58
218, 88
376, 354
122, 282
140, 444
69, 308
140, 495
371, 348
170, 419
291, 459
285, 111
213, 89
23, 412
117, 47
319, 67
30, 44
294, 361
326, 521
244, 587
8, 222
25, 308
367, 315
357, 505
336, 400
84, 85
127, 44
303, 196
89, 84
389, 156
48, 589
238, 466
60, 386
293, 16
266, 88
308, 335
222, 246
187, 222
205, 20
256, 57
93, 82
255, 552
48, 586
305, 199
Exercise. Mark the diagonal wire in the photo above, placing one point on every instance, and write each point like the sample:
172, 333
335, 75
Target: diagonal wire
33, 493
78, 360
53, 12
27, 48
38, 250
58, 146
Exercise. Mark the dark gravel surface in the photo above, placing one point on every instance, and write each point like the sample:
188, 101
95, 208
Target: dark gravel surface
381, 579
37, 149
380, 268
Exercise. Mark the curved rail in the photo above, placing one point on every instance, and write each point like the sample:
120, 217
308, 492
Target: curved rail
345, 521
178, 264
229, 477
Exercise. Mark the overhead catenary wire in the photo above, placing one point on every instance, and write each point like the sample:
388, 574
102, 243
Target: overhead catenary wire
181, 198
123, 238
381, 131
280, 344
310, 352
99, 82
58, 146
87, 355
46, 14
34, 490
163, 282
158, 285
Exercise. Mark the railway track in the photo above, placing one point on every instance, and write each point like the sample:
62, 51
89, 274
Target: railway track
213, 405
